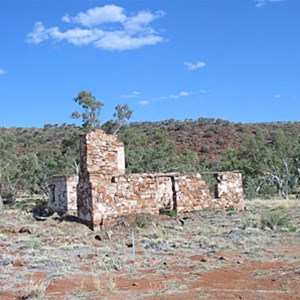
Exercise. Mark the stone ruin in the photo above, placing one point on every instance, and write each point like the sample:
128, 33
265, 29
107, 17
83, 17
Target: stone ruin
103, 191
63, 194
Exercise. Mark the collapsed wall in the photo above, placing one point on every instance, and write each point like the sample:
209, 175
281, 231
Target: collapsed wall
148, 193
229, 190
105, 192
63, 194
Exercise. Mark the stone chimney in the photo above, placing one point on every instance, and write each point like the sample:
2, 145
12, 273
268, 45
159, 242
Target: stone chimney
101, 158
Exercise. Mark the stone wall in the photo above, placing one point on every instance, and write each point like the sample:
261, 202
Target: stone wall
229, 190
105, 192
128, 194
192, 193
63, 194
101, 157
148, 193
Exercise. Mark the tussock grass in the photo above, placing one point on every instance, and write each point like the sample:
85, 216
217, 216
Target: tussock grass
35, 289
61, 248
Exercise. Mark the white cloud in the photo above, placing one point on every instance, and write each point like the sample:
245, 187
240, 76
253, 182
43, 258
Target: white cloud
106, 27
144, 102
140, 21
261, 3
204, 91
66, 18
76, 36
38, 35
121, 40
2, 71
100, 15
179, 95
133, 94
194, 66
277, 96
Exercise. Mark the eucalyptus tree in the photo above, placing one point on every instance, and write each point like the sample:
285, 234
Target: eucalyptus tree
90, 115
122, 114
270, 163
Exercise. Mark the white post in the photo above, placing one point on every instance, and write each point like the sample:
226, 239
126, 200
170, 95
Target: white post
133, 244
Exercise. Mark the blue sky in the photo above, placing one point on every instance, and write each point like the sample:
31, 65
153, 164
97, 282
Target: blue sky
236, 60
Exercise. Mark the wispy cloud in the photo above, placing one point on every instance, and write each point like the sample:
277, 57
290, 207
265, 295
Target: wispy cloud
131, 95
262, 3
107, 27
171, 97
194, 66
204, 91
180, 95
176, 96
277, 96
144, 102
2, 71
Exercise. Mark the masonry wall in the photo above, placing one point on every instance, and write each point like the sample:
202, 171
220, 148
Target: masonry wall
148, 193
129, 194
101, 158
192, 193
63, 194
105, 192
229, 190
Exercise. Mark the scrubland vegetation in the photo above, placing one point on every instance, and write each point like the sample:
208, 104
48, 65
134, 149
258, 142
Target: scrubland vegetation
213, 254
268, 154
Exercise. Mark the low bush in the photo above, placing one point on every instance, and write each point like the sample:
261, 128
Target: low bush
276, 220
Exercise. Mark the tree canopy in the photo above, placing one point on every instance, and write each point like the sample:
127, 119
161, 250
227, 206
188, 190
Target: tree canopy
90, 115
268, 155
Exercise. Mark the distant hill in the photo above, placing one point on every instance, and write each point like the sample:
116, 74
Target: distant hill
29, 157
207, 137
48, 137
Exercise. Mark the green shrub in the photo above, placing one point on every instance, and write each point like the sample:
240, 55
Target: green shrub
172, 213
143, 221
276, 220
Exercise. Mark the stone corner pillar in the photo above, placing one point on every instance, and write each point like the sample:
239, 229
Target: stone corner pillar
101, 157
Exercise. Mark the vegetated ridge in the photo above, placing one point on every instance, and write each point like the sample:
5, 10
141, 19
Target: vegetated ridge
267, 154
207, 137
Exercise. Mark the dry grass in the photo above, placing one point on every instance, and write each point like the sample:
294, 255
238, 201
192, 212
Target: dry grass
272, 203
35, 289
64, 249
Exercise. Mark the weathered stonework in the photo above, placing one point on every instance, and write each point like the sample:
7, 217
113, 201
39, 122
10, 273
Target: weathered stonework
192, 193
147, 193
229, 190
63, 194
105, 192
101, 157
